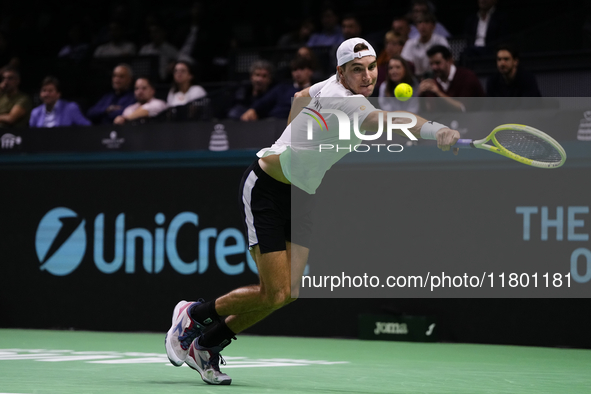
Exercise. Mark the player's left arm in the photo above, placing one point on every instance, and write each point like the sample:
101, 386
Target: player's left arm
445, 136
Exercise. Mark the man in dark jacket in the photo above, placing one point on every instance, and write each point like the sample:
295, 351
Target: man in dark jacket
511, 80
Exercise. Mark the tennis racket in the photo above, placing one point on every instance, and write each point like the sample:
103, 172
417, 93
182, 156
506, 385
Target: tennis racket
521, 143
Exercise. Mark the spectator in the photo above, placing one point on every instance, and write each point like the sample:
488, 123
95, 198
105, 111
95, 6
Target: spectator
203, 43
415, 49
77, 49
146, 106
419, 7
183, 89
261, 77
399, 71
449, 81
331, 35
484, 29
277, 102
401, 26
117, 45
307, 53
112, 104
55, 112
511, 80
15, 106
393, 45
297, 38
350, 27
160, 47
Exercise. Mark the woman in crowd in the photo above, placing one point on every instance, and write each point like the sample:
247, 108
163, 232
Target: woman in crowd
398, 72
183, 90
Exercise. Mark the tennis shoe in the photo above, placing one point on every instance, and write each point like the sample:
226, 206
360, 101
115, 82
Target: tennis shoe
206, 361
182, 333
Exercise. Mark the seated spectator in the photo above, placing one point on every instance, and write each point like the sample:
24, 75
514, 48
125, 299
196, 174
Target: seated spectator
202, 42
485, 29
393, 45
330, 35
297, 38
401, 26
117, 45
419, 7
350, 27
449, 81
511, 80
183, 90
415, 49
159, 47
113, 103
261, 77
307, 53
146, 106
55, 112
277, 102
77, 48
15, 106
398, 72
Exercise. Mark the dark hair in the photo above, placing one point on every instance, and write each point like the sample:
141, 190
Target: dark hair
189, 66
406, 79
311, 56
402, 18
426, 3
10, 69
300, 62
49, 80
427, 17
360, 47
351, 16
148, 79
512, 49
435, 49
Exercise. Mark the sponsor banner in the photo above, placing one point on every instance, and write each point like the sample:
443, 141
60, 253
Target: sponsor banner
398, 328
187, 136
93, 245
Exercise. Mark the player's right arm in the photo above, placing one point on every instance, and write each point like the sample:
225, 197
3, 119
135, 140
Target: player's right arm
446, 137
303, 98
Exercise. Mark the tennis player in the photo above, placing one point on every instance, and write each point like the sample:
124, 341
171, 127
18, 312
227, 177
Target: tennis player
289, 169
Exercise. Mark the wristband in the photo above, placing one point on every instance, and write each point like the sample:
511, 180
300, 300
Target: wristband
430, 129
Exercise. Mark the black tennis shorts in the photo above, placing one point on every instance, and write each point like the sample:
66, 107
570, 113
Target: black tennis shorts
274, 212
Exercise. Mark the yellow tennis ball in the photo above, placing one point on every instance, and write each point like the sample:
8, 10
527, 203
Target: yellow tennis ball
403, 91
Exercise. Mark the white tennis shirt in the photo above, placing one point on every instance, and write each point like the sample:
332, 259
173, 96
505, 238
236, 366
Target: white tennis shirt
302, 162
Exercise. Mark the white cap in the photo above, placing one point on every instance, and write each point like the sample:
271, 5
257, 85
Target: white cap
345, 52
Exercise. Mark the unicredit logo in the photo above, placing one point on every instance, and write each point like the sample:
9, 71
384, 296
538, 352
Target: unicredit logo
63, 237
60, 242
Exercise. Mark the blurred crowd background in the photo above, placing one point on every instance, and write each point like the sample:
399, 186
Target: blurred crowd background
80, 63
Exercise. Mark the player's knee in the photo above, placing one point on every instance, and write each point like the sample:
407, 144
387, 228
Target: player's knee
277, 299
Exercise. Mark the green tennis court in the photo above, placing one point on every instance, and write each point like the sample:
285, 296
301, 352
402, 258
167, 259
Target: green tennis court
34, 361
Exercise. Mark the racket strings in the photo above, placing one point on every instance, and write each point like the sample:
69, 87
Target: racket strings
528, 146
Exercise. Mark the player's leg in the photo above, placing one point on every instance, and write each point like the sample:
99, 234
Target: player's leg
278, 287
280, 276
